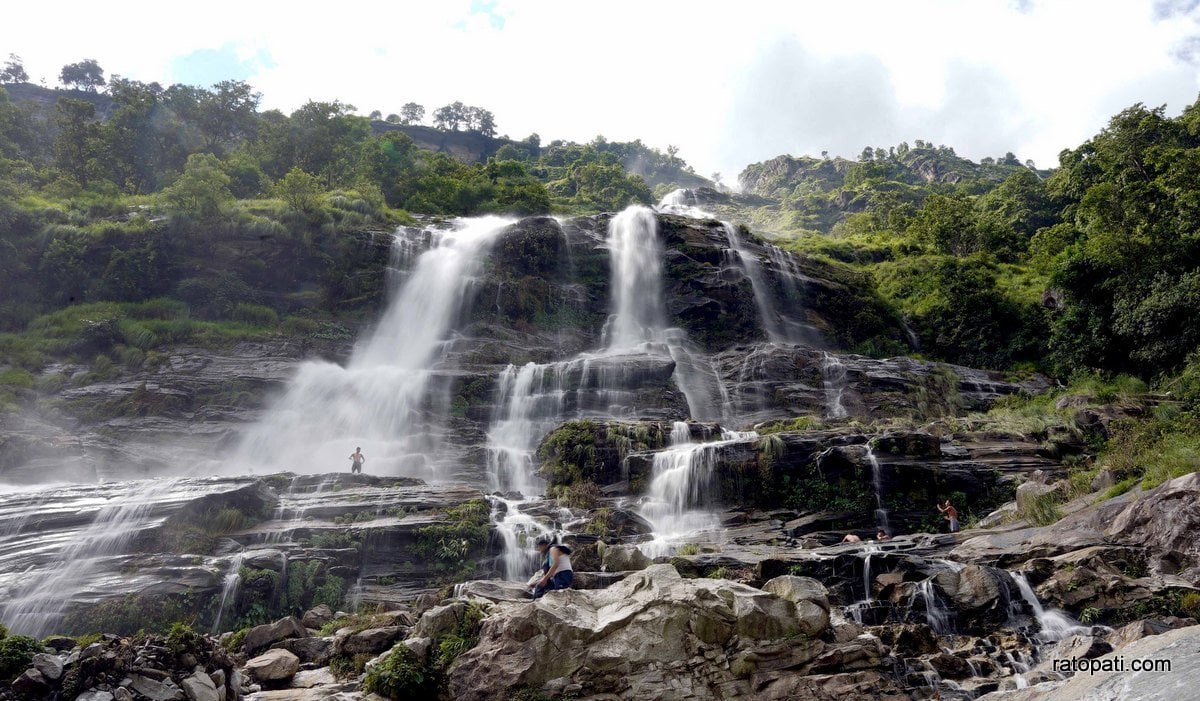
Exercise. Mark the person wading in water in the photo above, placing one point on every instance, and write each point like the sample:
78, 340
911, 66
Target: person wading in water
356, 461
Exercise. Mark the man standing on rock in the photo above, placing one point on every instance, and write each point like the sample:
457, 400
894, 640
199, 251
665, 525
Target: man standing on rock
356, 461
951, 514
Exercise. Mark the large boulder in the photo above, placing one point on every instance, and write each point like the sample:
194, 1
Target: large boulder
273, 665
51, 666
626, 636
623, 558
317, 616
200, 687
372, 640
810, 597
262, 637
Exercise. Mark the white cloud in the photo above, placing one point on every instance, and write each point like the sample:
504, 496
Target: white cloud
729, 83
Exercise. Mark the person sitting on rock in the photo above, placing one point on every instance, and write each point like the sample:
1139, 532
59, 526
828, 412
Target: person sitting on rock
851, 538
882, 535
356, 461
560, 575
951, 515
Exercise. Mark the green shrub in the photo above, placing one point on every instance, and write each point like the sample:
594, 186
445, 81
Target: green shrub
254, 314
234, 642
401, 676
688, 549
1041, 510
181, 639
1189, 604
345, 665
16, 652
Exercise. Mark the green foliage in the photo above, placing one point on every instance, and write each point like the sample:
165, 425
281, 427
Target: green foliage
202, 192
799, 424
181, 639
1041, 510
568, 454
234, 642
688, 549
580, 495
1189, 604
16, 653
401, 676
301, 191
464, 534
345, 665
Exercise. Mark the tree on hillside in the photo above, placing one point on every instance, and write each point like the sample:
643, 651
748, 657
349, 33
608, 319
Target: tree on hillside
451, 116
227, 113
202, 192
77, 147
300, 190
411, 113
375, 114
86, 75
392, 118
483, 121
14, 70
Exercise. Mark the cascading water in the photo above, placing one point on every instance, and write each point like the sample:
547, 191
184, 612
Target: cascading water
1054, 625
681, 433
233, 581
37, 605
681, 481
881, 514
379, 399
939, 618
833, 375
638, 322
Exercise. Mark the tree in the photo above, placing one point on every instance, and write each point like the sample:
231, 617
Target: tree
375, 114
77, 146
483, 122
202, 192
14, 70
227, 114
451, 116
392, 118
86, 75
300, 190
411, 113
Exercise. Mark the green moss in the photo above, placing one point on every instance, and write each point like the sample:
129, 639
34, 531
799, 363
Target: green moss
16, 653
401, 676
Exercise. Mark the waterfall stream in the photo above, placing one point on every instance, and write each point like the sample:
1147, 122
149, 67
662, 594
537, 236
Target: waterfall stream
378, 400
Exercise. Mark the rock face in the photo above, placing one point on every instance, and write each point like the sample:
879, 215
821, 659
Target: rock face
653, 630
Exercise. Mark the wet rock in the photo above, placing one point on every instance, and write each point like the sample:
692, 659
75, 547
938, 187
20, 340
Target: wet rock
60, 643
96, 695
261, 637
950, 666
317, 617
273, 665
439, 620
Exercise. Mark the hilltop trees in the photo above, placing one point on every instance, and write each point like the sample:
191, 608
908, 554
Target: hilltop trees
411, 113
456, 115
14, 70
87, 75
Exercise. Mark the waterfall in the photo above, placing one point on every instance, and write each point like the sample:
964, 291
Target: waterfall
881, 514
638, 320
939, 618
681, 433
233, 580
681, 485
777, 328
833, 375
379, 399
36, 606
1054, 624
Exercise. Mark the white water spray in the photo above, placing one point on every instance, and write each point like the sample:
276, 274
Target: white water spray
380, 399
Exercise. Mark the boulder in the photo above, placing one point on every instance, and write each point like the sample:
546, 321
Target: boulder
420, 647
980, 595
273, 665
624, 636
493, 590
317, 617
623, 558
810, 597
372, 640
153, 689
51, 666
439, 620
97, 695
950, 666
200, 687
31, 684
262, 637
315, 651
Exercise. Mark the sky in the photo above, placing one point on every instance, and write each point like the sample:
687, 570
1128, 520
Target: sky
728, 83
